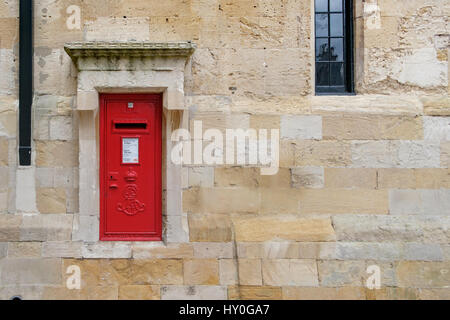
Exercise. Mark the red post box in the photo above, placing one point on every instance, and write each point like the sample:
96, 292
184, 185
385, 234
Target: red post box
130, 167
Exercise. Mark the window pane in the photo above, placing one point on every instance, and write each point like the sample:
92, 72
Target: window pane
336, 25
321, 25
322, 52
321, 5
322, 73
335, 5
337, 49
337, 74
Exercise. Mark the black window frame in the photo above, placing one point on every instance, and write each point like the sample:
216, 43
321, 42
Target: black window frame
348, 87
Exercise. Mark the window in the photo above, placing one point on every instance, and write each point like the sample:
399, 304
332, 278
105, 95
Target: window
334, 46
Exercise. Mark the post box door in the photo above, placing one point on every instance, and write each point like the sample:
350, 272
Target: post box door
130, 167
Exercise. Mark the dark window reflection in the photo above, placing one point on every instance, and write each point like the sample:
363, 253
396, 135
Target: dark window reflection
337, 74
322, 73
321, 25
322, 51
337, 49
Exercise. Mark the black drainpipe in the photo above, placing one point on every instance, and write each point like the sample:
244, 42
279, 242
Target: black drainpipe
25, 80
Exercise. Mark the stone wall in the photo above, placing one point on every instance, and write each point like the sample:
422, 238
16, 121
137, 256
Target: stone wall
364, 180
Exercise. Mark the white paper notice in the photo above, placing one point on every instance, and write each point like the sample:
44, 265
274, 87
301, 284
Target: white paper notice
130, 150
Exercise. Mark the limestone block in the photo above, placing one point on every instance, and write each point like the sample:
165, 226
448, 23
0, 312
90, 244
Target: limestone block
368, 251
87, 100
26, 292
85, 228
201, 177
24, 249
264, 122
228, 271
280, 180
51, 200
279, 201
209, 228
301, 127
31, 271
434, 294
139, 292
158, 251
236, 176
255, 293
91, 293
436, 128
249, 272
213, 250
389, 293
106, 250
423, 252
421, 201
61, 128
48, 227
7, 69
63, 249
436, 105
3, 249
193, 293
372, 127
341, 273
290, 272
384, 228
307, 177
221, 200
445, 154
56, 154
3, 151
333, 201
10, 227
351, 178
201, 272
177, 228
322, 153
395, 154
418, 274
341, 293
283, 228
117, 28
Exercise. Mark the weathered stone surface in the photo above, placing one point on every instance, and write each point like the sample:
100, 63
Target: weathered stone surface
333, 201
350, 178
301, 127
193, 293
91, 293
341, 273
342, 293
85, 228
33, 292
322, 153
416, 274
24, 249
372, 127
56, 154
31, 271
413, 178
424, 202
51, 200
220, 200
249, 272
139, 292
392, 294
436, 105
283, 228
254, 293
201, 271
228, 272
213, 250
10, 227
290, 272
3, 151
201, 177
106, 250
159, 251
209, 228
3, 249
376, 228
368, 251
445, 154
423, 252
236, 176
307, 177
436, 128
395, 154
60, 128
48, 227
61, 249
434, 294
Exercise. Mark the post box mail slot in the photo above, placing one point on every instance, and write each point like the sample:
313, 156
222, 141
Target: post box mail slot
130, 167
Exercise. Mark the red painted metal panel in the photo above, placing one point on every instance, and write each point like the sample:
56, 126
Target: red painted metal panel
130, 167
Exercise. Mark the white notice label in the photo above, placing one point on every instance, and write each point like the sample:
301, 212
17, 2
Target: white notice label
130, 150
